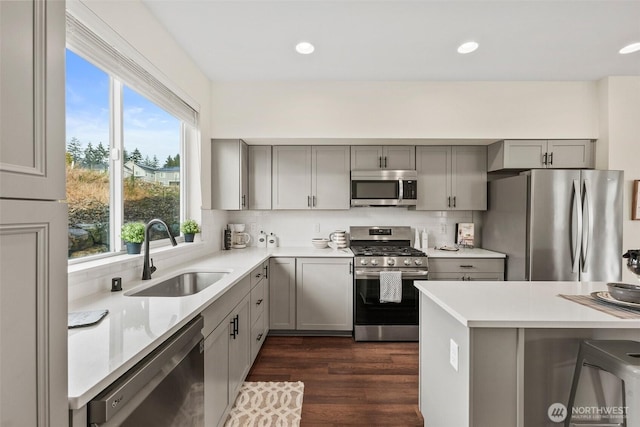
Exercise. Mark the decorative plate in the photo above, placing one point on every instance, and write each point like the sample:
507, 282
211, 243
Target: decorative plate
606, 297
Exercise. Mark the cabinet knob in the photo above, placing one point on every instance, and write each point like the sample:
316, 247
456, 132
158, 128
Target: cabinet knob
259, 301
259, 336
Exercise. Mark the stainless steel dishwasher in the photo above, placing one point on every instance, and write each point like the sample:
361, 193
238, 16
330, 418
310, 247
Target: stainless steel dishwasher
166, 388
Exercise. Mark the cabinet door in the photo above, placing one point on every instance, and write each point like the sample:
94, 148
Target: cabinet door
491, 277
331, 177
570, 154
32, 110
454, 276
282, 293
525, 154
229, 181
216, 375
324, 294
433, 164
33, 313
239, 346
469, 178
291, 177
244, 177
258, 335
366, 157
259, 177
399, 157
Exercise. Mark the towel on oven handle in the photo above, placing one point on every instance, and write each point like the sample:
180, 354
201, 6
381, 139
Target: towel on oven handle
391, 286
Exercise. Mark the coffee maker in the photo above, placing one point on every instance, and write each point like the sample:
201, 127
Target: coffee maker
239, 239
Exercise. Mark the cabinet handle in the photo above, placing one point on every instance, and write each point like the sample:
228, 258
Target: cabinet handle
544, 159
380, 162
313, 201
466, 266
551, 159
449, 201
350, 268
259, 336
266, 271
259, 301
258, 275
454, 201
234, 330
385, 161
309, 201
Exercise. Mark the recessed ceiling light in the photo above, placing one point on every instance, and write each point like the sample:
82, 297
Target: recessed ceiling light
467, 47
305, 48
630, 48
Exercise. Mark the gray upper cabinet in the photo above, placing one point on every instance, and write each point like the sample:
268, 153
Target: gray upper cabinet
311, 177
367, 157
259, 164
452, 178
539, 154
229, 174
32, 100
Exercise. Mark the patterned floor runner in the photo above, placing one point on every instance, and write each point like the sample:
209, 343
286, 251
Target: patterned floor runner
267, 404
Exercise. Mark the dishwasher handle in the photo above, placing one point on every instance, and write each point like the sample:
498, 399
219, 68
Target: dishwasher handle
140, 380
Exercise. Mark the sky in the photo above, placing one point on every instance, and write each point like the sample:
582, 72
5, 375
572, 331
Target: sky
146, 126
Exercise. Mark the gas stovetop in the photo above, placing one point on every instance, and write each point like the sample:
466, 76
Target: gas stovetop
387, 251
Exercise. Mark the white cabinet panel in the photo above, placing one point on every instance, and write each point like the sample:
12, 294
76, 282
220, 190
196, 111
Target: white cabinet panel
32, 100
33, 313
229, 174
259, 177
291, 177
324, 294
282, 293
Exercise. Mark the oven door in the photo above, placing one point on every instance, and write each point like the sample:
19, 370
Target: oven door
370, 311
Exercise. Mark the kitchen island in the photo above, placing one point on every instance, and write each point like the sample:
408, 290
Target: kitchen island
499, 354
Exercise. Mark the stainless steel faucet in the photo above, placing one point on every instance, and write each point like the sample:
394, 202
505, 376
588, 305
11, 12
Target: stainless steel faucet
148, 268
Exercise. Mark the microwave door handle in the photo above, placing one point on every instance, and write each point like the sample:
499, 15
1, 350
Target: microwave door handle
401, 192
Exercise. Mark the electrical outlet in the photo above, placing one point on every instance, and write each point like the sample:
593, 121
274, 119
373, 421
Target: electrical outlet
316, 228
453, 354
443, 228
253, 227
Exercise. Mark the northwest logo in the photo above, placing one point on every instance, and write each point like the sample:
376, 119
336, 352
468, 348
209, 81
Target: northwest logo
557, 412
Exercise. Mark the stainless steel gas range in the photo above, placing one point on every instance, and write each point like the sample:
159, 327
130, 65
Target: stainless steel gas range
383, 249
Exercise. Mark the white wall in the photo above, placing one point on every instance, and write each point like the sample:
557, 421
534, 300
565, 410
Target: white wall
620, 145
479, 110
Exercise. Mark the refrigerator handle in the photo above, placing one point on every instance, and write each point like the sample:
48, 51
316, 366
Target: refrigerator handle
587, 230
576, 227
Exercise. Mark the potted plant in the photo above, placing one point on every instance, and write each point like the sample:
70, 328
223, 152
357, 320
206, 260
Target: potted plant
133, 234
189, 228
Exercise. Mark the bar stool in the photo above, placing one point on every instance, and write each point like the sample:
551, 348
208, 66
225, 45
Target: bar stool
620, 358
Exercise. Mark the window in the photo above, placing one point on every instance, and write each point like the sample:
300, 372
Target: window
125, 141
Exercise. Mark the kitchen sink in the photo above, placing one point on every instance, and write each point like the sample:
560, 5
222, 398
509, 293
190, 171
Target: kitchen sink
181, 285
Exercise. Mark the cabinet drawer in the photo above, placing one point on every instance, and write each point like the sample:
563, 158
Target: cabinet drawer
491, 277
465, 265
258, 300
257, 275
258, 335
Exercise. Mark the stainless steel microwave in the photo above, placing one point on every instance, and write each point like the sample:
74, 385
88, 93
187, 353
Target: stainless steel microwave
384, 188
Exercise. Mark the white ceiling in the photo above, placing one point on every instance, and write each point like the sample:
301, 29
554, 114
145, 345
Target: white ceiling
405, 40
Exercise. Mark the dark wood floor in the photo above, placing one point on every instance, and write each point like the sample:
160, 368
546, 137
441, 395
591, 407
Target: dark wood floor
346, 382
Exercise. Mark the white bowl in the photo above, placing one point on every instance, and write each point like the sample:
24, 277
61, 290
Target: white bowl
320, 244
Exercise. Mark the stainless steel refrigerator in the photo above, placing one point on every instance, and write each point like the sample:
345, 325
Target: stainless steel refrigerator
557, 224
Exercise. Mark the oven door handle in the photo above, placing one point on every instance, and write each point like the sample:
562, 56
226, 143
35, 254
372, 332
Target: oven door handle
367, 274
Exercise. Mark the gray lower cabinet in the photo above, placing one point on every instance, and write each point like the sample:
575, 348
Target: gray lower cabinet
282, 293
259, 308
311, 294
466, 269
452, 178
311, 177
228, 349
324, 288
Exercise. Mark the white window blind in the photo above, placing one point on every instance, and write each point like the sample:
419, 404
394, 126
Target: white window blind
103, 54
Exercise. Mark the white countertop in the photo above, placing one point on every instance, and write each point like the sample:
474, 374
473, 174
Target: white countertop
98, 355
464, 253
520, 304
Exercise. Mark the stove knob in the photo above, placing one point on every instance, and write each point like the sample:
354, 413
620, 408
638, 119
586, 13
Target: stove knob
363, 262
390, 262
374, 262
407, 262
418, 262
